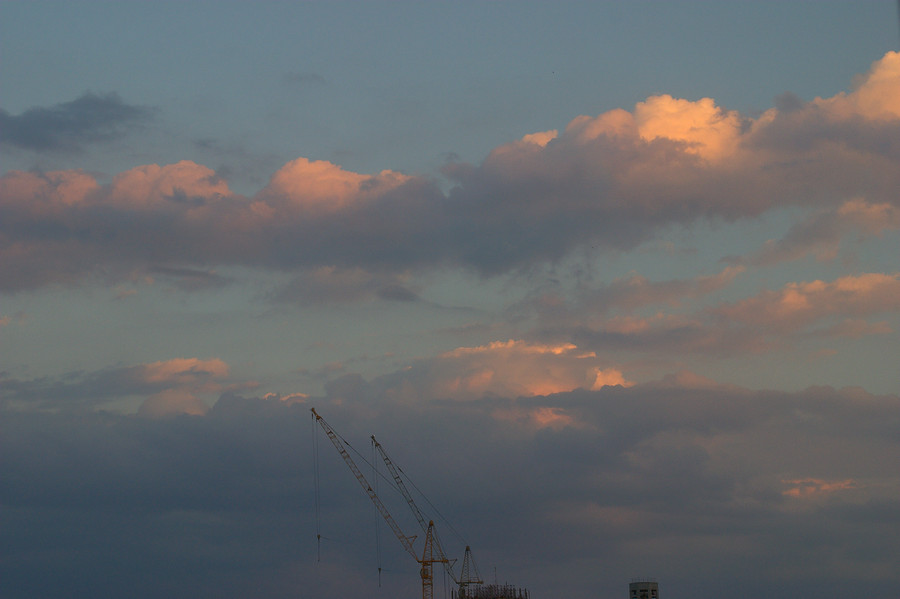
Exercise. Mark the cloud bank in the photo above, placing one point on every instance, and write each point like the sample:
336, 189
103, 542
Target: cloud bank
612, 181
683, 477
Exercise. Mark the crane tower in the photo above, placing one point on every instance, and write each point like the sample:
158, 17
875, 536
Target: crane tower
432, 552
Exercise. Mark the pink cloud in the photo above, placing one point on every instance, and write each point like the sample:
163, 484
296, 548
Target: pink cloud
289, 399
877, 96
172, 402
547, 417
45, 193
513, 368
855, 328
810, 488
154, 186
319, 186
799, 304
706, 129
685, 379
183, 371
821, 233
770, 320
612, 181
183, 381
636, 291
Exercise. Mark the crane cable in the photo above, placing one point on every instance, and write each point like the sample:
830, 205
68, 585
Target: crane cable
375, 474
317, 491
434, 509
315, 437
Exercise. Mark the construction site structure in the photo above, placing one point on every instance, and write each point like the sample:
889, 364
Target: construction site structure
498, 591
469, 582
428, 558
469, 574
643, 588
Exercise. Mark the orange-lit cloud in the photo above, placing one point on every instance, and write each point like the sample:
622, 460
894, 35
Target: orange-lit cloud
172, 402
798, 304
810, 488
636, 291
321, 186
183, 381
46, 193
545, 417
180, 385
821, 233
685, 379
770, 320
706, 129
610, 181
289, 399
854, 328
513, 368
877, 96
173, 186
183, 371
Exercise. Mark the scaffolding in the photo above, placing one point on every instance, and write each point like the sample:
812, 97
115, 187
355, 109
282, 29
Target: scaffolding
643, 588
497, 591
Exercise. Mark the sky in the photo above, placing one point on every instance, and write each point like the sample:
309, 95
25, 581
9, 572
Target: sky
616, 284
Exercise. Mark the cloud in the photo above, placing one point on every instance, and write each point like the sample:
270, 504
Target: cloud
727, 485
166, 386
821, 233
877, 96
605, 320
798, 305
510, 368
189, 279
625, 295
854, 328
318, 186
329, 284
610, 182
70, 126
706, 129
806, 488
185, 187
172, 402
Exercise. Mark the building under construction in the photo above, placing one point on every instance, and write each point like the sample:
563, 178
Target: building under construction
497, 591
643, 588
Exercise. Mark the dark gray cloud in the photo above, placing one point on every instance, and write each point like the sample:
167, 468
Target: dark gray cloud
70, 126
190, 279
331, 285
710, 489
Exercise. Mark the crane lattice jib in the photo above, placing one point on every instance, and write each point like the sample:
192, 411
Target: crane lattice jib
398, 480
406, 541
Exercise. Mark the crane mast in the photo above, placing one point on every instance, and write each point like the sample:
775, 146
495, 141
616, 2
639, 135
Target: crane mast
469, 575
428, 558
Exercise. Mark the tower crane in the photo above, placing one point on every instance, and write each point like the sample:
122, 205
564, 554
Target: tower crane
429, 556
469, 574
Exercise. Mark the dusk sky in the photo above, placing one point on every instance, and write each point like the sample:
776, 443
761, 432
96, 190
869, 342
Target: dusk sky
617, 284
